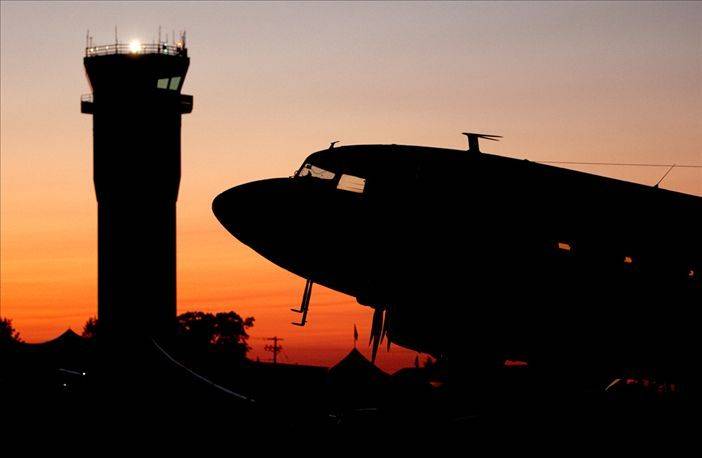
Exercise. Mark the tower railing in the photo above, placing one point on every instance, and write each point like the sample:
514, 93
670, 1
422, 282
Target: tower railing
86, 103
128, 48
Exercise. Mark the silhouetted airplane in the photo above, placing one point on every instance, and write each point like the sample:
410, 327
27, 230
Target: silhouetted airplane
478, 258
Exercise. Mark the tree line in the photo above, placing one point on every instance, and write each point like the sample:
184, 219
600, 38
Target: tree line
224, 332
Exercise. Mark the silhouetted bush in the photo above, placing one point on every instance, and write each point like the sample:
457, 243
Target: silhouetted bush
8, 335
221, 332
198, 332
90, 328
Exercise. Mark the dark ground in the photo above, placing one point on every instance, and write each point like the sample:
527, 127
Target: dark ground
60, 389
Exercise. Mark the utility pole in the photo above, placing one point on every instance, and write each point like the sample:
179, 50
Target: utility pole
275, 348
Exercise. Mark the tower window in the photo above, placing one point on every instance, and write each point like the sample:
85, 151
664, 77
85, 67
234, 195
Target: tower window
162, 83
175, 82
628, 260
563, 246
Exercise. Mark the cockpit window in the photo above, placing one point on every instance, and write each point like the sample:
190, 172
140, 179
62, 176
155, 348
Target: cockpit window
351, 183
346, 182
316, 172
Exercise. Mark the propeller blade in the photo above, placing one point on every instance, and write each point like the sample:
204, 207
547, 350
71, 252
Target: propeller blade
386, 321
374, 350
386, 326
376, 324
376, 331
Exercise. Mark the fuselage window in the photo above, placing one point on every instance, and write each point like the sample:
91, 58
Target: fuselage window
563, 246
309, 170
351, 183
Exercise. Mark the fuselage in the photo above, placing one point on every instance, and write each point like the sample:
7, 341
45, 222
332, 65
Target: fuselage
476, 256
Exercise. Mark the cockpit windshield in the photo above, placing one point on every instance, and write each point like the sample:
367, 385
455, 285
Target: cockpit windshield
315, 172
345, 182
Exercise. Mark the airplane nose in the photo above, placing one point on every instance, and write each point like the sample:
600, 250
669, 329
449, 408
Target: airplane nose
276, 218
297, 225
252, 209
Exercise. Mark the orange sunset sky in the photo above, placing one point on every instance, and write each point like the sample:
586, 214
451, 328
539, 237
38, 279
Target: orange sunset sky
274, 82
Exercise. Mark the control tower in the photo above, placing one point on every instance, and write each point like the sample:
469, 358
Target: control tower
136, 103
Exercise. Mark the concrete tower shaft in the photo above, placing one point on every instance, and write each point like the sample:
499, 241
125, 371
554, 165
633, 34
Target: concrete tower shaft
136, 105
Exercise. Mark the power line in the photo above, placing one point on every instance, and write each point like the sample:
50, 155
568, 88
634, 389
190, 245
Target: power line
622, 164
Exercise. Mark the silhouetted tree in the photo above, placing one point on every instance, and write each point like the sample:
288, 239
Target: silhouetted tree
221, 332
90, 328
8, 334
